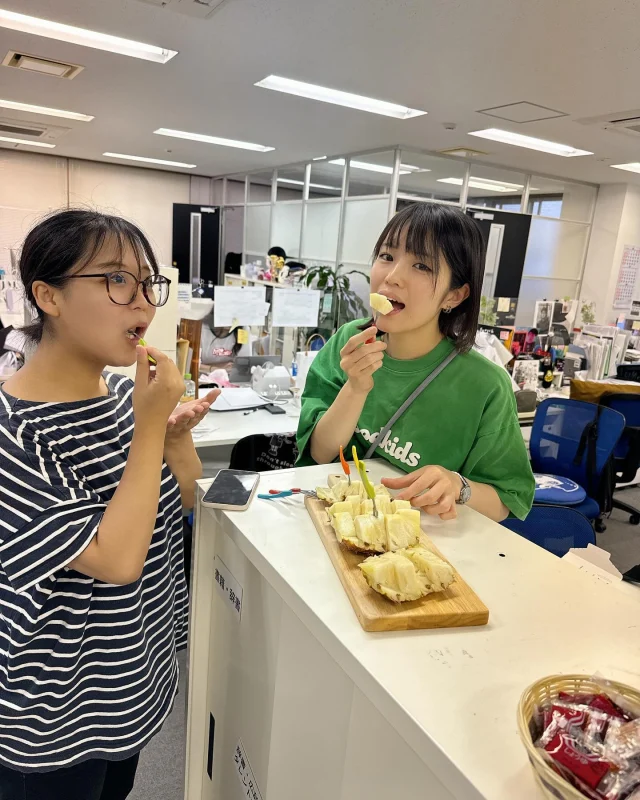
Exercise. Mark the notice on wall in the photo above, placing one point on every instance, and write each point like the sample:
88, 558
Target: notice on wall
295, 308
635, 309
228, 587
245, 774
239, 305
627, 276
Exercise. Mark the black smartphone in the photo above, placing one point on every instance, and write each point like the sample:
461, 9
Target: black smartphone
272, 408
231, 490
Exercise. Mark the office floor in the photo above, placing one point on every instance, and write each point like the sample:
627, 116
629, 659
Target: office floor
161, 770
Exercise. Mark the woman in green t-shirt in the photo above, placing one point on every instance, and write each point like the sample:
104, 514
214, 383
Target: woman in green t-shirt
459, 441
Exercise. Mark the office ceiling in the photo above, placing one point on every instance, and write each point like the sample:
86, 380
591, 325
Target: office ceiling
451, 58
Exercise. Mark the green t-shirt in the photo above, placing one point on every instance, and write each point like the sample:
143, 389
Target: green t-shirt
465, 421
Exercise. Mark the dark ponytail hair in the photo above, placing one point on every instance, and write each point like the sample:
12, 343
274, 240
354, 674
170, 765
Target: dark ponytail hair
65, 242
433, 231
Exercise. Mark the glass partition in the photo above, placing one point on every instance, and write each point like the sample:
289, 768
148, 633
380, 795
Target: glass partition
257, 221
287, 219
369, 174
425, 177
321, 231
325, 180
290, 183
260, 186
555, 249
493, 187
561, 199
533, 289
364, 221
235, 190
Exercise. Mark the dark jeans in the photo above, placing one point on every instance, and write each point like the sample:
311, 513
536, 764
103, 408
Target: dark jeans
95, 779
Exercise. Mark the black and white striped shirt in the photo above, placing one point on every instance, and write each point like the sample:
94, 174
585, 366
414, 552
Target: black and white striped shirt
87, 669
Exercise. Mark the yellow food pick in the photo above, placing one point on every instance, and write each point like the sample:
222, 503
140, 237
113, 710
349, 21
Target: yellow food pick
354, 452
368, 486
142, 342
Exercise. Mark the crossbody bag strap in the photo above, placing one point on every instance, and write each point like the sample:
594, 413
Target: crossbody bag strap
431, 377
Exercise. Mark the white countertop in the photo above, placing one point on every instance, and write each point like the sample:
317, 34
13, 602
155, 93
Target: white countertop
452, 693
228, 427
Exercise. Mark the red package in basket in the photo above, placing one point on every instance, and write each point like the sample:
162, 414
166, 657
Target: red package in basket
589, 768
602, 703
570, 719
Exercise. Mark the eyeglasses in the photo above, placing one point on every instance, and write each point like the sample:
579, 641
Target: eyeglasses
122, 287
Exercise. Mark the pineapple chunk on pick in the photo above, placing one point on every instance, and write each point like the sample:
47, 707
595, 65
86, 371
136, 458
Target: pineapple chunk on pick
380, 303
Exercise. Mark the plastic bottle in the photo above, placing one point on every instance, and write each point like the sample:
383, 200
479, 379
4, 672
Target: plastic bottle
294, 373
189, 388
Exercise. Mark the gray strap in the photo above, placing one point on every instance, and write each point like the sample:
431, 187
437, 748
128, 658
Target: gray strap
431, 377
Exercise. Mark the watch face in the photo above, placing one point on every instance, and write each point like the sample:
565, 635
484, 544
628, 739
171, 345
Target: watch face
465, 494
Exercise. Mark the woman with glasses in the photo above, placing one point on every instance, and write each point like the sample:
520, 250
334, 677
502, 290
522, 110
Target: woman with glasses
94, 472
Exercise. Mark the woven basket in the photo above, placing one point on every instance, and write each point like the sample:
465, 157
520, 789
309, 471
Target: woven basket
542, 692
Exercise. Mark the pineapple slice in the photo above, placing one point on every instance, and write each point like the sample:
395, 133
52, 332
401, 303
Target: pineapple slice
393, 576
327, 495
407, 574
438, 574
356, 488
396, 505
343, 507
402, 530
380, 303
382, 490
371, 533
383, 504
342, 523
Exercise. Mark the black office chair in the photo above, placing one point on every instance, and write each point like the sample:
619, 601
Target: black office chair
626, 455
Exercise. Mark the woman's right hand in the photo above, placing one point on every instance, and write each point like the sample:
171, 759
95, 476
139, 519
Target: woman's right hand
360, 358
156, 392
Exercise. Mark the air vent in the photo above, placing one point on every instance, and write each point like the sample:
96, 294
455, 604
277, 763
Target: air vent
463, 152
625, 122
192, 8
41, 66
44, 133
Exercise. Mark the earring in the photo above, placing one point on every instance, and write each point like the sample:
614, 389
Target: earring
447, 310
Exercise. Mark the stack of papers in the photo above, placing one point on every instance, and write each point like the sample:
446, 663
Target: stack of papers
238, 399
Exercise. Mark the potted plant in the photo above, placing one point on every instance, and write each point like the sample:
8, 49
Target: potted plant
339, 302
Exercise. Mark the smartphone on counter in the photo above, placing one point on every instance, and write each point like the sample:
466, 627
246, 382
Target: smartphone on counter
274, 409
231, 490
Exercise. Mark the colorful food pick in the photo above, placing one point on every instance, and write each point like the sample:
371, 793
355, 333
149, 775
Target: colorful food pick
144, 344
356, 461
371, 492
345, 467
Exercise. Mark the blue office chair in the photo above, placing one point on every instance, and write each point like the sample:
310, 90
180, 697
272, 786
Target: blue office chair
626, 456
576, 440
555, 528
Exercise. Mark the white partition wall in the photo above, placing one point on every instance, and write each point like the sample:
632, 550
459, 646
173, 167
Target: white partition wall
320, 242
287, 221
257, 221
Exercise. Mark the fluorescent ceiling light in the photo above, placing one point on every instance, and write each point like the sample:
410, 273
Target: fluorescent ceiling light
150, 160
338, 98
486, 184
311, 185
530, 142
405, 169
203, 137
633, 166
84, 37
319, 158
26, 142
48, 112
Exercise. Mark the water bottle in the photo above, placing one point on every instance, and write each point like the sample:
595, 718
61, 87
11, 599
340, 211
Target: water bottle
294, 373
189, 389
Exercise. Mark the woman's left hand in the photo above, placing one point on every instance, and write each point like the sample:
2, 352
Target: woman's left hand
431, 489
187, 415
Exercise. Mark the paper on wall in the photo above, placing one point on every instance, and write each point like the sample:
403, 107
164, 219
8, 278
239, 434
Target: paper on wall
239, 305
295, 308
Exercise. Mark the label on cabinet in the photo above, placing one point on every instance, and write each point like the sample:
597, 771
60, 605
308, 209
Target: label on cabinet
245, 774
228, 587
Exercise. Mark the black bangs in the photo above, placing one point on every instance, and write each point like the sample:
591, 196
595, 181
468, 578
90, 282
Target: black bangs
416, 224
120, 234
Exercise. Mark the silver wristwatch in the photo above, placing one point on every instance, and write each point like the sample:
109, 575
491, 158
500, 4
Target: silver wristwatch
465, 492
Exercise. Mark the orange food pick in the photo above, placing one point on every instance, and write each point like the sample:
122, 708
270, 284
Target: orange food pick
345, 467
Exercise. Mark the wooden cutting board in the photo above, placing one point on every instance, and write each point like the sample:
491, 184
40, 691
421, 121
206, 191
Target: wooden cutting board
458, 606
